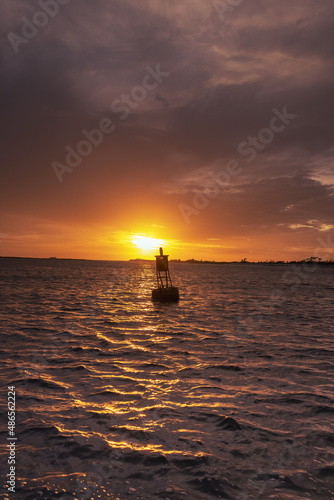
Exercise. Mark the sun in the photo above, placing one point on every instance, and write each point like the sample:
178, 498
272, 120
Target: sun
146, 244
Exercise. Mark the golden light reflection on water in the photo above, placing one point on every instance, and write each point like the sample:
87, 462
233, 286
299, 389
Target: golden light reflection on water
136, 346
134, 446
153, 449
126, 368
124, 385
63, 429
60, 484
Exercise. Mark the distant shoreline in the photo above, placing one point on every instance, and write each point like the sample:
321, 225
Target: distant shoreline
309, 261
244, 262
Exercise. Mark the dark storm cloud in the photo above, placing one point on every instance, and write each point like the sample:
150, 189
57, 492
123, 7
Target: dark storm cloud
225, 79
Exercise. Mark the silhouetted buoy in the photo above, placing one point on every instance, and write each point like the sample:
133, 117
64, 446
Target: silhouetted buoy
165, 292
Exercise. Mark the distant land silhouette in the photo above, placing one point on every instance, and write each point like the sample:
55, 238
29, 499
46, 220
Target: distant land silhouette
308, 261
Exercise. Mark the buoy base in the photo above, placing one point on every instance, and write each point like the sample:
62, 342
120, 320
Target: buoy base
169, 294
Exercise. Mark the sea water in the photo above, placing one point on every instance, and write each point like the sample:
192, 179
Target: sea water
226, 394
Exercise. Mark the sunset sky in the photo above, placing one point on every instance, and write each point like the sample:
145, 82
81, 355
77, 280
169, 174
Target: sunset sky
217, 128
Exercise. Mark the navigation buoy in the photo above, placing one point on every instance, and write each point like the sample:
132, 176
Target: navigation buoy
165, 292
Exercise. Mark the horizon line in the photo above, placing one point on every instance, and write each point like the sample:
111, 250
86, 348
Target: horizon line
316, 260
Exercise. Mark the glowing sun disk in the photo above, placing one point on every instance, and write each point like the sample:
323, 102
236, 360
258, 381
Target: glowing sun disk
146, 243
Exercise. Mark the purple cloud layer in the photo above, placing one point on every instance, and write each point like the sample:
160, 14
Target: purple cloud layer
226, 76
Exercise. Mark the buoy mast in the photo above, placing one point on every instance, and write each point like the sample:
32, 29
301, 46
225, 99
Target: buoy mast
162, 267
